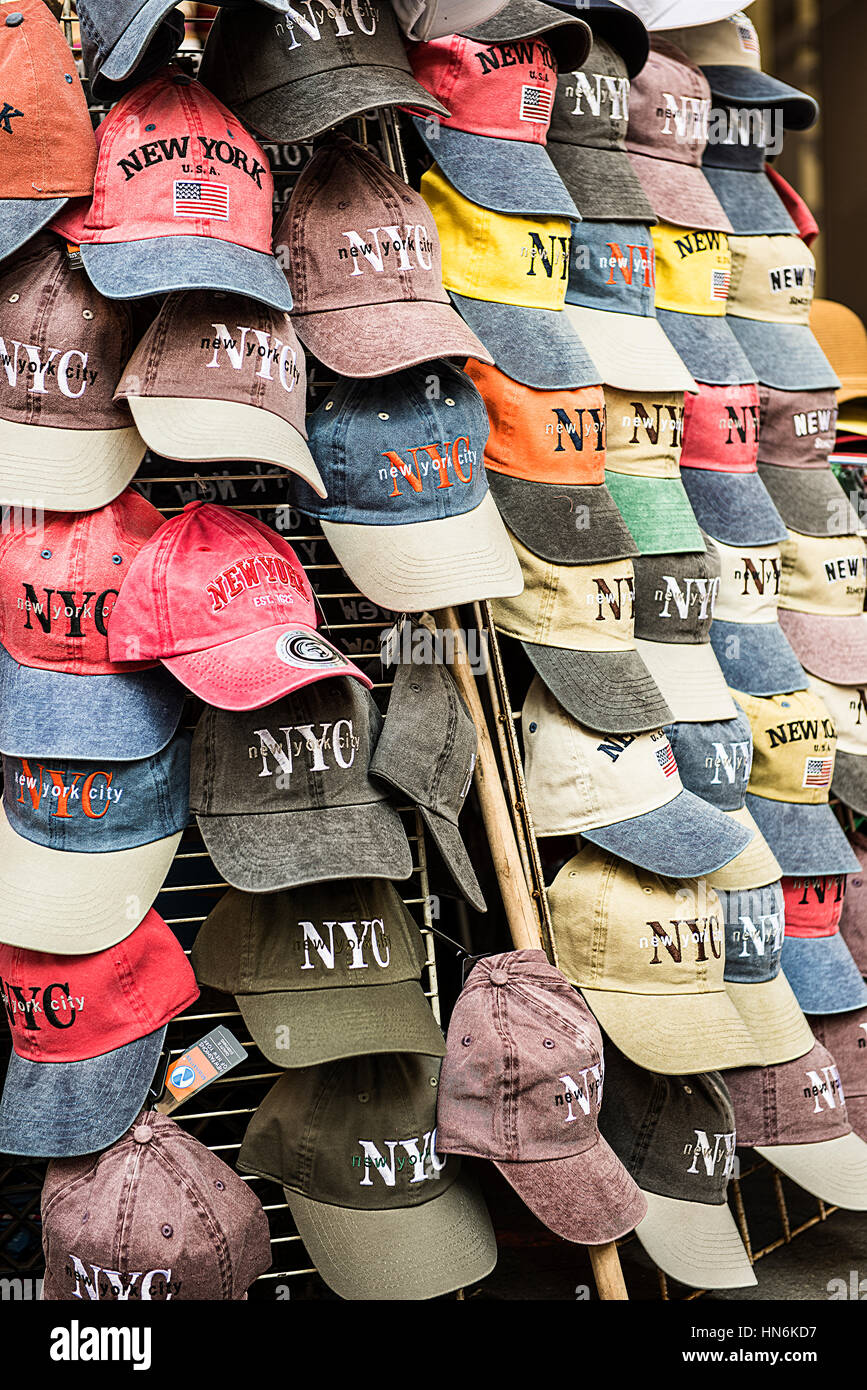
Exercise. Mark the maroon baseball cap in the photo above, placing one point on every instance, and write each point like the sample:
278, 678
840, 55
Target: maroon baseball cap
845, 1037
798, 428
794, 1115
364, 264
521, 1085
853, 921
155, 1217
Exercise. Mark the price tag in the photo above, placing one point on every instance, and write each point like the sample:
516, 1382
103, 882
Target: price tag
212, 1056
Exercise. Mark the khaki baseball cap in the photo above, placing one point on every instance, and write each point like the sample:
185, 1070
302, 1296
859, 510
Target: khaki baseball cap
822, 590
750, 645
773, 278
645, 432
648, 954
848, 708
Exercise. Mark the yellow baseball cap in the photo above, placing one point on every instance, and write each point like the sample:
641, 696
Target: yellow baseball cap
693, 277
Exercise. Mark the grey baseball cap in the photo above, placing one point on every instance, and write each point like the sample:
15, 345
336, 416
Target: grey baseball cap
750, 201
733, 507
125, 41
427, 750
283, 795
810, 500
565, 34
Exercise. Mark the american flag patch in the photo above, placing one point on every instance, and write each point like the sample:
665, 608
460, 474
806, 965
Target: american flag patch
720, 284
197, 199
817, 772
536, 103
665, 758
747, 34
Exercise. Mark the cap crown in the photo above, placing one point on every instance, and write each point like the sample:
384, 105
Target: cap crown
675, 596
669, 107
612, 268
645, 432
814, 906
847, 705
731, 42
591, 107
798, 428
721, 429
693, 270
798, 1102
794, 746
505, 91
755, 921
556, 437
824, 574
750, 579
587, 608
773, 279
845, 1037
714, 759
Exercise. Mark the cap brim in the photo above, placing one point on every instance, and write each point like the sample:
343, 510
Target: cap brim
657, 512
757, 658
696, 1243
249, 673
513, 177
786, 356
569, 38
198, 430
271, 850
810, 500
322, 1025
708, 347
56, 714
570, 525
603, 183
587, 1197
834, 1170
404, 1253
536, 347
689, 676
314, 103
807, 841
685, 838
66, 470
631, 352
680, 193
610, 691
373, 340
675, 1034
754, 867
823, 974
834, 649
63, 1109
453, 851
157, 265
734, 508
738, 85
132, 43
850, 780
430, 564
774, 1017
751, 203
22, 218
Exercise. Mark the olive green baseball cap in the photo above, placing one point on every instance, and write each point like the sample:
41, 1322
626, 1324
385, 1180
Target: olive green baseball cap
657, 512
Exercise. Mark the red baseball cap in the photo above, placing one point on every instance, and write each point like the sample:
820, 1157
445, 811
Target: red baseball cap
223, 601
183, 199
87, 1033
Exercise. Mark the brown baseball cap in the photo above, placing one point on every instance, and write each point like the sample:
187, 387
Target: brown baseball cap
221, 377
845, 1037
364, 265
521, 1085
798, 428
155, 1217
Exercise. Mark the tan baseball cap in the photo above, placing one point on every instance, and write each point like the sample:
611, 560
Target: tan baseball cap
822, 589
645, 432
848, 707
749, 643
773, 279
648, 954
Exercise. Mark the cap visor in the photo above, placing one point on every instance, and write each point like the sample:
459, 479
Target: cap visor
810, 500
834, 1170
689, 676
786, 356
272, 850
807, 841
22, 218
834, 649
751, 203
734, 508
447, 838
685, 838
775, 1019
754, 867
675, 1034
610, 691
742, 86
508, 176
430, 564
587, 1197
603, 183
569, 37
157, 265
210, 431
696, 1243
63, 1109
130, 48
571, 525
708, 347
536, 347
631, 352
404, 1253
680, 193
657, 512
314, 103
375, 340
823, 975
757, 658
66, 470
850, 781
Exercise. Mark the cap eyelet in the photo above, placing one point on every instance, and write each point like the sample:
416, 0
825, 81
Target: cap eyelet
150, 127
434, 1081
687, 1090
449, 400
86, 1217
13, 20
167, 1231
67, 77
46, 554
87, 313
230, 135
547, 1042
533, 727
117, 559
465, 1042
384, 415
220, 1186
14, 298
364, 1097
329, 405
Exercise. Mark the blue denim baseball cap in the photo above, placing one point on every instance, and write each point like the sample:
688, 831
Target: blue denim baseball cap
734, 507
816, 959
511, 176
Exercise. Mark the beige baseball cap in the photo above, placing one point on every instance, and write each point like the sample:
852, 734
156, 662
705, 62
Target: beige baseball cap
645, 432
848, 708
648, 954
822, 589
751, 647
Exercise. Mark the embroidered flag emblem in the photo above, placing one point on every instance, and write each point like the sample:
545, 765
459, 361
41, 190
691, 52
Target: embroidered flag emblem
202, 200
720, 284
536, 104
817, 772
747, 34
665, 758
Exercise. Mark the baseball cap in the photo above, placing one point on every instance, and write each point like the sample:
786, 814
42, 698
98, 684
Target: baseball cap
610, 304
60, 694
284, 797
675, 596
853, 921
492, 145
125, 41
152, 227
714, 758
693, 276
292, 75
613, 22
623, 793
805, 223
381, 1216
65, 445
750, 645
86, 845
657, 13
427, 750
111, 1208
676, 1136
648, 955
367, 308
223, 601
848, 707
845, 1037
656, 510
576, 624
434, 19
409, 514
53, 153
794, 1115
720, 445
810, 500
769, 312
85, 1050
755, 919
645, 434
816, 959
730, 56
750, 201
798, 428
669, 111
587, 138
842, 335
822, 589
794, 743
545, 465
507, 277
564, 33
220, 377
329, 970
505, 1097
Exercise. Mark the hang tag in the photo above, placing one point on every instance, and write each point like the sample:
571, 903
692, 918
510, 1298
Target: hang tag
212, 1056
73, 256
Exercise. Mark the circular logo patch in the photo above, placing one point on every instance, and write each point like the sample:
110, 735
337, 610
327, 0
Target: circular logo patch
305, 649
182, 1077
